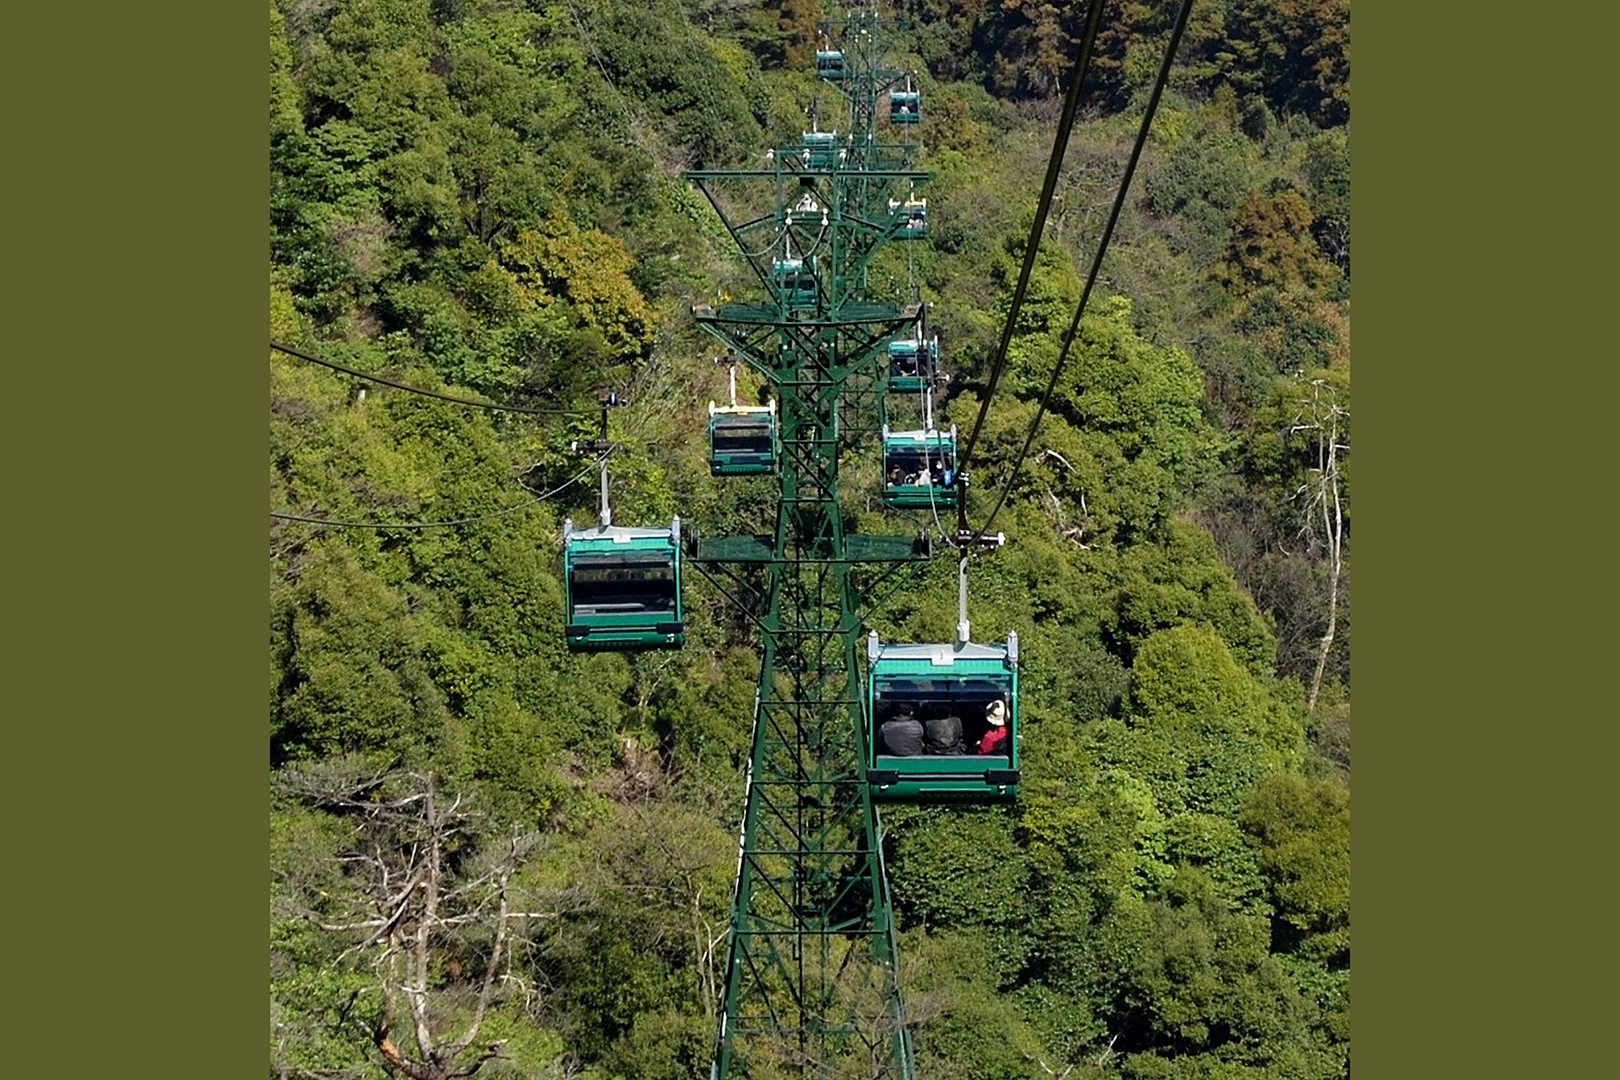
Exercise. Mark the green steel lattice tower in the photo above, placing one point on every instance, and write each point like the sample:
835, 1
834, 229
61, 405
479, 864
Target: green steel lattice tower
810, 984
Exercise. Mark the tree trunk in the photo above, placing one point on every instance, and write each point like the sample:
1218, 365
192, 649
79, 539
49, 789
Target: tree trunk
1333, 527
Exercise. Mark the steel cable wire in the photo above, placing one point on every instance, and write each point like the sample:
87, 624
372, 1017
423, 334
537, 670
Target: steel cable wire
283, 515
1096, 262
290, 351
1043, 206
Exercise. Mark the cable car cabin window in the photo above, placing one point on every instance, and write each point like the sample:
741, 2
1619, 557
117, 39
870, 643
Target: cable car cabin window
829, 64
614, 584
750, 438
919, 476
910, 365
905, 358
914, 465
940, 717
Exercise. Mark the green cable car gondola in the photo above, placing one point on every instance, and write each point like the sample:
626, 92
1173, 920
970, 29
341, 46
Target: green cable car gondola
795, 282
622, 588
743, 439
912, 363
829, 64
905, 106
910, 218
820, 149
942, 721
919, 468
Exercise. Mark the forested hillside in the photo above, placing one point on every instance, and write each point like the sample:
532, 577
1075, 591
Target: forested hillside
487, 850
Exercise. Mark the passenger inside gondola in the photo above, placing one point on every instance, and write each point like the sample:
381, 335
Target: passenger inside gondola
994, 739
911, 465
935, 726
943, 734
902, 734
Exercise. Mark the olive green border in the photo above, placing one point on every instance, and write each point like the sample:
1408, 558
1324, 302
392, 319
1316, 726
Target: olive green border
1484, 818
239, 727
224, 131
1400, 780
135, 184
134, 174
61, 716
139, 628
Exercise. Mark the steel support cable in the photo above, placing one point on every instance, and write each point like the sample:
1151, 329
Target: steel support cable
1096, 261
624, 104
708, 88
290, 351
283, 515
1043, 206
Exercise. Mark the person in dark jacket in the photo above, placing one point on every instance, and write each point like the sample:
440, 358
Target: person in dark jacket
995, 739
943, 735
902, 734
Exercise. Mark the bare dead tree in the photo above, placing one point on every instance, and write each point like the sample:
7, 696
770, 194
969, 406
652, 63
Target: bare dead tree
1063, 1069
1075, 534
1322, 418
1055, 1074
425, 897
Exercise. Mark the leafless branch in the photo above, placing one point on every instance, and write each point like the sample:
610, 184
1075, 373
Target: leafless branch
410, 902
1050, 453
1321, 503
1056, 1074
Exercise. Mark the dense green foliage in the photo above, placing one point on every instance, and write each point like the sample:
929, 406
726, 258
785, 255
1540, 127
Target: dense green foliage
481, 197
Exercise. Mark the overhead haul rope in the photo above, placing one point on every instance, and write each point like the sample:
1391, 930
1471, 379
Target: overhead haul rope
636, 127
1096, 261
708, 88
624, 105
290, 351
282, 515
1054, 166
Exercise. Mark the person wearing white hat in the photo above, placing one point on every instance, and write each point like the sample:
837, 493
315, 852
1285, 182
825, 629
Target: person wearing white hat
995, 738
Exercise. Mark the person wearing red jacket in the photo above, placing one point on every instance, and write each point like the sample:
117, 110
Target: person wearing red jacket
995, 739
